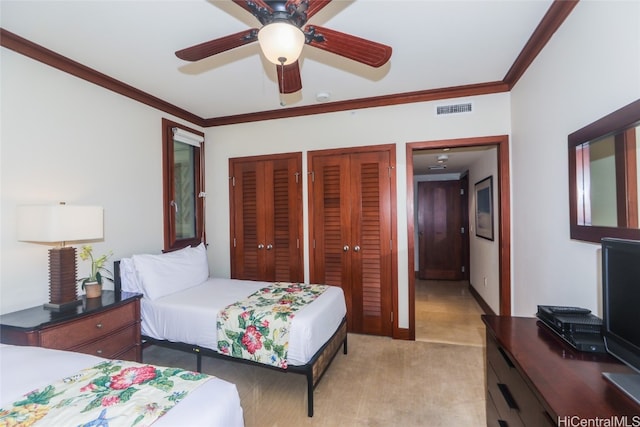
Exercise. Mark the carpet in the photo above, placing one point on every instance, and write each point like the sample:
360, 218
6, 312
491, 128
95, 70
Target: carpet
380, 382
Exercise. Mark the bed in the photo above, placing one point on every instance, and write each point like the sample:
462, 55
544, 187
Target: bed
181, 304
25, 369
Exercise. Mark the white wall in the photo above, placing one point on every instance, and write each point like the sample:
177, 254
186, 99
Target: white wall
63, 139
397, 124
590, 68
484, 273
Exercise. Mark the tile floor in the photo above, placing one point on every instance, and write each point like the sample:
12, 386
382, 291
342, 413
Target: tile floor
446, 312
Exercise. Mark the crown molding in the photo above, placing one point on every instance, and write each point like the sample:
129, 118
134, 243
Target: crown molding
553, 19
41, 54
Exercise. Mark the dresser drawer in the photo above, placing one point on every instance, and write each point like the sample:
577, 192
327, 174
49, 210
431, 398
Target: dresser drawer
500, 360
73, 334
515, 401
112, 345
501, 396
531, 410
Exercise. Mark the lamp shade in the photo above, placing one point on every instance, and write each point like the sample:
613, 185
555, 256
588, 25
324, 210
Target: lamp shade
59, 223
281, 42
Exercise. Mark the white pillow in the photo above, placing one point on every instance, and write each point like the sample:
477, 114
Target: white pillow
129, 280
171, 272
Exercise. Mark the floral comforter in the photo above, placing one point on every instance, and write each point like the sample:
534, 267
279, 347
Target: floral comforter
112, 393
258, 328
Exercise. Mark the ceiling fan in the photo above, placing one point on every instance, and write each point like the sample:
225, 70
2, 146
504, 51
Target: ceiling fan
282, 37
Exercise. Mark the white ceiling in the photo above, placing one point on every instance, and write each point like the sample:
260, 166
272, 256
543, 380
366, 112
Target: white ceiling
436, 44
457, 161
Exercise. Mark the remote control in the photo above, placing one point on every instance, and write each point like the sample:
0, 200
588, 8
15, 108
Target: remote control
568, 310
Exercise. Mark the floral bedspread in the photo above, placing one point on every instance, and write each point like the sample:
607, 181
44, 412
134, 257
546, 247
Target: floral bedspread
258, 328
112, 393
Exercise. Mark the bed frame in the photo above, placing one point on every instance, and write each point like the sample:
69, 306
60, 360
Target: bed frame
313, 370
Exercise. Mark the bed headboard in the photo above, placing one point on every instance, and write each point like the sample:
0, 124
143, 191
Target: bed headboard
117, 283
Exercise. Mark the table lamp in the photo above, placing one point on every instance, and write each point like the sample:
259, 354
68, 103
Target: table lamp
58, 225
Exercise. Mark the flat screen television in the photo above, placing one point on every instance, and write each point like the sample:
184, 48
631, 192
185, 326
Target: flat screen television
621, 315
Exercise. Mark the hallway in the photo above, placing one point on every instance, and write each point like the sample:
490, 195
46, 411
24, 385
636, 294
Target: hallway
446, 312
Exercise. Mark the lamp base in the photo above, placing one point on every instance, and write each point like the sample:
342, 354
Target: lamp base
62, 307
62, 279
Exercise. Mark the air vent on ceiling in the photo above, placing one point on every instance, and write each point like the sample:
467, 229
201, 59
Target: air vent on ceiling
437, 167
467, 107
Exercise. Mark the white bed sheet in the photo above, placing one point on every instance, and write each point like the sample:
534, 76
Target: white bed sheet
215, 403
189, 316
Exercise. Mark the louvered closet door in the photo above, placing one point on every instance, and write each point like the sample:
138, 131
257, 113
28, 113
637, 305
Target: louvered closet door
371, 240
351, 203
266, 219
331, 210
245, 202
284, 226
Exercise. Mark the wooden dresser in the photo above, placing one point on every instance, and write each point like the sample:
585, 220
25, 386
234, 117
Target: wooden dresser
536, 379
107, 327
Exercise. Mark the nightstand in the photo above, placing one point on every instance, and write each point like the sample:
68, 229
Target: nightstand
107, 327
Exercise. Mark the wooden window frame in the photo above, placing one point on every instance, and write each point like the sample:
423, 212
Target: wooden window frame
168, 189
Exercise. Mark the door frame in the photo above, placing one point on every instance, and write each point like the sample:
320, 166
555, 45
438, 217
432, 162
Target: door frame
501, 142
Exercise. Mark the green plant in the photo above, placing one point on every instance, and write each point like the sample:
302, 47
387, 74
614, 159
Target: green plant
97, 266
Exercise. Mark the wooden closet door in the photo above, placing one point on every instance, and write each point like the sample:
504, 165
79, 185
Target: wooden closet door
350, 206
331, 209
266, 218
371, 239
284, 222
245, 224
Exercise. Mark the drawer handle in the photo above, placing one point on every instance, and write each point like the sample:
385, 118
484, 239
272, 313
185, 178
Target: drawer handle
502, 423
99, 351
99, 326
506, 358
507, 396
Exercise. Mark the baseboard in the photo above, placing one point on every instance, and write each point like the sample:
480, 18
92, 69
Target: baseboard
483, 305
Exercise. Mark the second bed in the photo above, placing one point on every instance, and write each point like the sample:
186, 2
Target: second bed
184, 317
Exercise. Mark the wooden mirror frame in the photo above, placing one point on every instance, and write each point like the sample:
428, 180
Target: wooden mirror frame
613, 124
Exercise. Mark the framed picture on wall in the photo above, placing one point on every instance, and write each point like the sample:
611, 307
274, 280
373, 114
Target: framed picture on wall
484, 208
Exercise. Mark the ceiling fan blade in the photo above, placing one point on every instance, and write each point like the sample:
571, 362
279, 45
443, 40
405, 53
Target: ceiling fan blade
352, 47
243, 4
315, 6
258, 8
289, 80
259, 3
212, 47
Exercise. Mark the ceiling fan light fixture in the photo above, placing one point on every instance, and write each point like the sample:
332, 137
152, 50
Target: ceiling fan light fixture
281, 42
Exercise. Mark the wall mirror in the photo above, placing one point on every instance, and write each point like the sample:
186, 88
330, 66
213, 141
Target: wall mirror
604, 178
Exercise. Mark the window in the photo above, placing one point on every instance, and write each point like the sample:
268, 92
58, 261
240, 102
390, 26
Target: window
183, 185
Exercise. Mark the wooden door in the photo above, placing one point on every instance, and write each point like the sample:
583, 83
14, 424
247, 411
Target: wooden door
371, 242
440, 233
331, 225
284, 229
266, 218
351, 223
